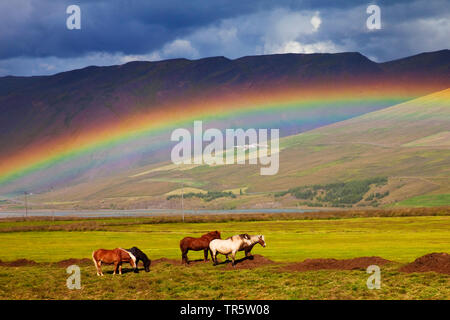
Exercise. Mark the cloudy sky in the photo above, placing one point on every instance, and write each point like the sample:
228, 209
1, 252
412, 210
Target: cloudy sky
34, 39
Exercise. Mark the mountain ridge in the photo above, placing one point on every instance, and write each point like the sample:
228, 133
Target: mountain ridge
114, 91
36, 111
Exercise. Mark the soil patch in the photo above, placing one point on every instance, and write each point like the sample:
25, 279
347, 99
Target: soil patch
178, 262
249, 262
244, 263
437, 262
165, 260
18, 263
335, 264
69, 262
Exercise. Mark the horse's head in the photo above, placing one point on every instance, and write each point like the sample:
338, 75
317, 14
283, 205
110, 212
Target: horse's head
147, 265
261, 240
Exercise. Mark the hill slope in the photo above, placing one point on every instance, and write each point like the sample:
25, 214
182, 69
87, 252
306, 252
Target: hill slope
372, 146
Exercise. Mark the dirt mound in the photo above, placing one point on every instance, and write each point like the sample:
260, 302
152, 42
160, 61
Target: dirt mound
165, 260
69, 262
249, 263
244, 263
18, 263
335, 264
178, 262
437, 262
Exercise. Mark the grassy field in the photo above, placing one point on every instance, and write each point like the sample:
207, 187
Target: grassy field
203, 281
432, 200
400, 239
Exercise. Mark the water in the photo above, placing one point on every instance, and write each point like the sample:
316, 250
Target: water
138, 212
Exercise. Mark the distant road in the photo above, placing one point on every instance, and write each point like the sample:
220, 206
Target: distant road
138, 212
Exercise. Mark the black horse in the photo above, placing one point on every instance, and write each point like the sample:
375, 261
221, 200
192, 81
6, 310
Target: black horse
140, 256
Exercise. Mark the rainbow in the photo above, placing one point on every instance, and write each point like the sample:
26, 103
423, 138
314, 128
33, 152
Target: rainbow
248, 109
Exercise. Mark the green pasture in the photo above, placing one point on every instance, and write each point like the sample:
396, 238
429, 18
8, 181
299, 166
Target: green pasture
203, 281
432, 200
400, 239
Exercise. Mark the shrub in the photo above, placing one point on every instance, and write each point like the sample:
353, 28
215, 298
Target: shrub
209, 196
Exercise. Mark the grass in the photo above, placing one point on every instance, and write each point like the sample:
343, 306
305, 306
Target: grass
204, 281
400, 239
432, 200
286, 240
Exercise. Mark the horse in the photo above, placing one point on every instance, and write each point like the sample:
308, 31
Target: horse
254, 239
228, 246
140, 256
116, 256
197, 244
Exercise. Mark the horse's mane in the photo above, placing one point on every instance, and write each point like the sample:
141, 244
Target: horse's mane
242, 236
139, 253
211, 234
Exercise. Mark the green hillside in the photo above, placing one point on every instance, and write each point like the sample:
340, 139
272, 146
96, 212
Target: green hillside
407, 145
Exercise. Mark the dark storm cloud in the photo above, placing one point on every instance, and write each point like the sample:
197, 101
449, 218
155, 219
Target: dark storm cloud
37, 27
34, 38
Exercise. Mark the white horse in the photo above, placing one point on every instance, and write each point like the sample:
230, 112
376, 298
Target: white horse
229, 246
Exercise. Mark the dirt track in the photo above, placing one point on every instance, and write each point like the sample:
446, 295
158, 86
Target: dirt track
437, 262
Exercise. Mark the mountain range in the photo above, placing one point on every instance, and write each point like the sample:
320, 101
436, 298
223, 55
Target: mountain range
99, 137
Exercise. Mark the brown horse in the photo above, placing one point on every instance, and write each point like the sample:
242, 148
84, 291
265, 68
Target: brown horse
116, 257
197, 244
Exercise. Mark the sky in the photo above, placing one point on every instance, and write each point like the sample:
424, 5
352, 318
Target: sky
34, 38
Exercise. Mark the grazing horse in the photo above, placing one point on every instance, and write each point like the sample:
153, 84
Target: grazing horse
140, 256
228, 246
116, 257
197, 244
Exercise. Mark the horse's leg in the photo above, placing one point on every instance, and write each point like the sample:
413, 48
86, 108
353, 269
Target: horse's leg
214, 257
136, 269
120, 267
248, 254
96, 266
206, 254
226, 256
211, 254
116, 265
233, 257
100, 268
186, 259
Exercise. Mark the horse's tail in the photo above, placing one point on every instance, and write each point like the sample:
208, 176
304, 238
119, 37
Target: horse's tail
182, 245
132, 256
93, 257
